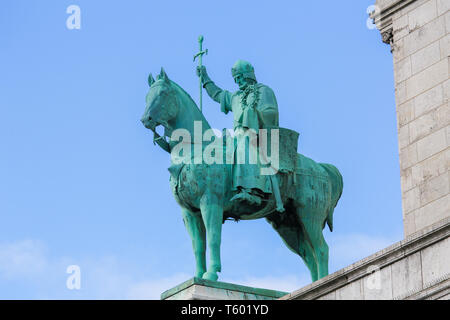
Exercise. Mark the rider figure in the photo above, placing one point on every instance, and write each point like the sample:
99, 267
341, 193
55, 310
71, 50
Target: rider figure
254, 107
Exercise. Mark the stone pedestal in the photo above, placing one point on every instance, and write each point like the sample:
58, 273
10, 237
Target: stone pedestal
200, 289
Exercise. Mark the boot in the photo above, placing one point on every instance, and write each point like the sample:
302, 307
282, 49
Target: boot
251, 197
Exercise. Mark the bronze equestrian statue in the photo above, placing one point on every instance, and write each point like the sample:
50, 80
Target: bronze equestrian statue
295, 194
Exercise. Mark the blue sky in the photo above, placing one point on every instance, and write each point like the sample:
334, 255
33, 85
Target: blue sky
81, 182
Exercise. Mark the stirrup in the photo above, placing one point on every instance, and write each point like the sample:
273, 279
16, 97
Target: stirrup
244, 195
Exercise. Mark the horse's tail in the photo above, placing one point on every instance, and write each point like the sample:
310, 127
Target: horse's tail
337, 185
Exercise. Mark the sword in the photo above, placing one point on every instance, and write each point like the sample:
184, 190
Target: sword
199, 55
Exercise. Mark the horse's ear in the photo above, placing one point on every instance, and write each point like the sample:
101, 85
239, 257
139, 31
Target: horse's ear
150, 80
163, 75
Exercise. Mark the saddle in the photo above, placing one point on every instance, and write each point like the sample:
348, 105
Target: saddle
284, 181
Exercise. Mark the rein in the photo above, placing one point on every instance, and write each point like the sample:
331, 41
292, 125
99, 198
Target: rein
161, 141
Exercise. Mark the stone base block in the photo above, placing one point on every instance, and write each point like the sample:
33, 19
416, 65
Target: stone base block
201, 289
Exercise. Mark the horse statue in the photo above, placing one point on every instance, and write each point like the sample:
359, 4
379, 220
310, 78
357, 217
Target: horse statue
203, 190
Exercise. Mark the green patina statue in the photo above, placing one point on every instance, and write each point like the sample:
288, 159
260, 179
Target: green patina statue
254, 107
296, 195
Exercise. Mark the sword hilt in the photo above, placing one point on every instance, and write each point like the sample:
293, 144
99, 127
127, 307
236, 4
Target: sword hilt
199, 55
202, 52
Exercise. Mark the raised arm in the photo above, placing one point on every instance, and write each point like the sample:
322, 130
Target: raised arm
217, 94
213, 90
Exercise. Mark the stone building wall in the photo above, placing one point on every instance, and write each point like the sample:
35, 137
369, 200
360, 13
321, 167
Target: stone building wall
415, 268
418, 32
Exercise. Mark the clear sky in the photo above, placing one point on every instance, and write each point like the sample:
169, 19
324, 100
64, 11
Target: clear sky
81, 182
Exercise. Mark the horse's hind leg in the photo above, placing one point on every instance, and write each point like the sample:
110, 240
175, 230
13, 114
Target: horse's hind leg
294, 238
196, 229
323, 252
313, 233
309, 256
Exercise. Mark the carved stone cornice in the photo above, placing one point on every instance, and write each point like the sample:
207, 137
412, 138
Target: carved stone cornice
388, 37
382, 17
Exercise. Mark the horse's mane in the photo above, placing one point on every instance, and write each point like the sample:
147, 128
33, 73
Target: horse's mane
190, 98
183, 91
193, 108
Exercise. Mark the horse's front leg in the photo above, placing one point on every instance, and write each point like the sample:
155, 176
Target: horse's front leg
212, 213
196, 229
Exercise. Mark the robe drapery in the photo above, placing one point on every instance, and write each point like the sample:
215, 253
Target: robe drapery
250, 115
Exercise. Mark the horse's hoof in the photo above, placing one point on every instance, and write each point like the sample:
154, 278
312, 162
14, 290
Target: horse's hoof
199, 274
210, 276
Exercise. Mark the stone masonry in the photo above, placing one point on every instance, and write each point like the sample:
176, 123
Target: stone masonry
418, 32
417, 267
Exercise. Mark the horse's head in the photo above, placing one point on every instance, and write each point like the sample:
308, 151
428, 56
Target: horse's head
161, 103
